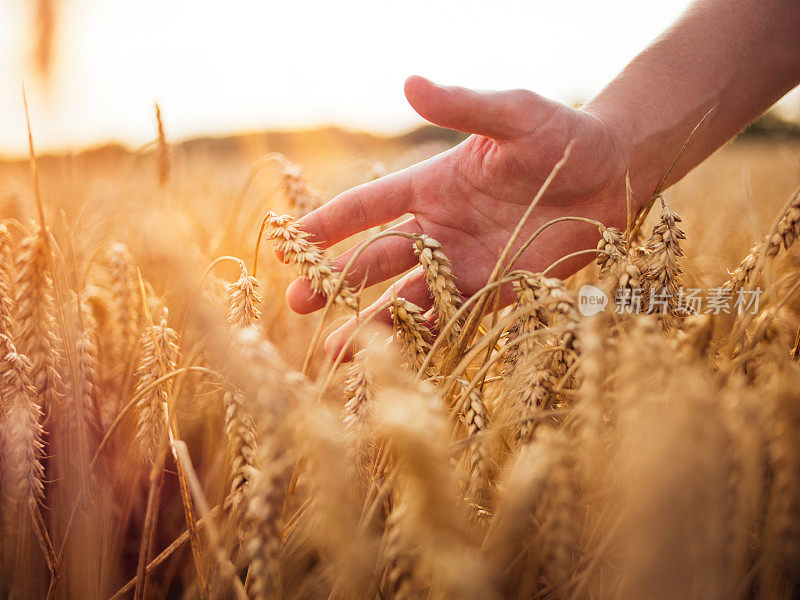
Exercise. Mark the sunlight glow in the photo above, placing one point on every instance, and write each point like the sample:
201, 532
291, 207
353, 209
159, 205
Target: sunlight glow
223, 67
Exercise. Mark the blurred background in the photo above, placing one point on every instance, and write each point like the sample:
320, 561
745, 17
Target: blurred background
93, 68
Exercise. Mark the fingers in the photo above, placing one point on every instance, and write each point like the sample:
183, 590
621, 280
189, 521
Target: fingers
493, 114
412, 287
360, 208
380, 260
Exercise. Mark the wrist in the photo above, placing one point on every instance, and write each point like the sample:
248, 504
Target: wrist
631, 147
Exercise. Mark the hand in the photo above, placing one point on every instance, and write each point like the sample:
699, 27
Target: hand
470, 198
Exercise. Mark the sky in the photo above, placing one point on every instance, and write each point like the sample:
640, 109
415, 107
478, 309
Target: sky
241, 65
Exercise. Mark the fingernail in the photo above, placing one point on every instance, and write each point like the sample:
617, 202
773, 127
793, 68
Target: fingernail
334, 344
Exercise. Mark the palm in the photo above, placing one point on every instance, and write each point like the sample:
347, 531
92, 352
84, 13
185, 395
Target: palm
476, 222
472, 197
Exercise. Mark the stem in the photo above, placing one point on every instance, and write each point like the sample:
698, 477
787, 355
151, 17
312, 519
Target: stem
129, 406
329, 304
343, 349
476, 315
171, 549
571, 255
233, 215
530, 240
149, 528
214, 263
440, 339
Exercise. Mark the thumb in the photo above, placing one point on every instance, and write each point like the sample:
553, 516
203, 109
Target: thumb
493, 114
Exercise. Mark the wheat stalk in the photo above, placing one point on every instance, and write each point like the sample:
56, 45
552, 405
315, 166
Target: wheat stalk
164, 165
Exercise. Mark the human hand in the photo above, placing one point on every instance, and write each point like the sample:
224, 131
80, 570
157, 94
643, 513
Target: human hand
471, 198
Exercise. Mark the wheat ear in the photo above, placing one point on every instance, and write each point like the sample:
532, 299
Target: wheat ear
263, 522
663, 249
86, 352
359, 394
618, 264
781, 535
441, 282
786, 232
411, 331
564, 316
7, 307
531, 317
242, 444
158, 355
124, 318
35, 322
534, 385
296, 247
400, 555
21, 432
164, 165
474, 416
301, 196
243, 300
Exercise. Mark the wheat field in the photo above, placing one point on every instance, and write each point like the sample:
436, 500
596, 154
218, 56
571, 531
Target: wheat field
170, 429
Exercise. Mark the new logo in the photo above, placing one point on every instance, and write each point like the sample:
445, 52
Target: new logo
591, 300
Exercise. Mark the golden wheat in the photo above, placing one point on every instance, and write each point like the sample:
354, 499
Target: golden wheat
158, 356
561, 456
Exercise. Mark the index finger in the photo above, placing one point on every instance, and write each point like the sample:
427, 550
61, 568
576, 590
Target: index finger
360, 208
